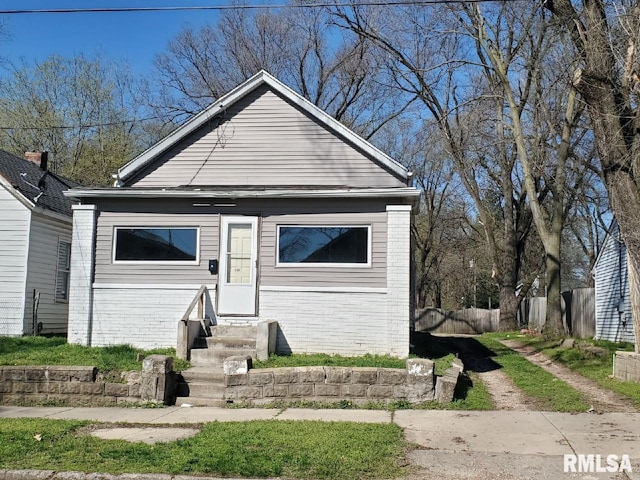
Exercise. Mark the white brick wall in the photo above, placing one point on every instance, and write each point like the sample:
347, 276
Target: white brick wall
81, 276
143, 317
345, 323
398, 279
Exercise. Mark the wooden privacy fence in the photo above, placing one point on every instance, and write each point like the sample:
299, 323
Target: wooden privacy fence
466, 321
578, 312
579, 316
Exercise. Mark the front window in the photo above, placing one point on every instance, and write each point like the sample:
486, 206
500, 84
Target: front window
156, 244
324, 245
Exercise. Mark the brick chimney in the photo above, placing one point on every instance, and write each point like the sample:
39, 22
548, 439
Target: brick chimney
39, 158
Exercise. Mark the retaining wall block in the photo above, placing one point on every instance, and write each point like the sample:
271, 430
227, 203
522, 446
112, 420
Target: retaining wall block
285, 375
366, 375
311, 374
260, 378
301, 390
338, 374
280, 391
116, 389
58, 374
82, 374
92, 388
327, 390
248, 392
35, 374
72, 388
235, 380
13, 374
392, 376
380, 391
354, 390
446, 385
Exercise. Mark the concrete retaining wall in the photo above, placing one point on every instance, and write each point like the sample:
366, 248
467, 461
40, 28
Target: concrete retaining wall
414, 384
80, 385
626, 366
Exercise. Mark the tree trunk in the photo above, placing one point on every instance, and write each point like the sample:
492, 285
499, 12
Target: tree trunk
553, 327
634, 294
508, 308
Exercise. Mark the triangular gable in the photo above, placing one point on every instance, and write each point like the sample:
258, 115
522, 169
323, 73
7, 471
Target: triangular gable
263, 133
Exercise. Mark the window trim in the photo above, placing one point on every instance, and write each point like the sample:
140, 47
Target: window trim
114, 238
67, 271
324, 264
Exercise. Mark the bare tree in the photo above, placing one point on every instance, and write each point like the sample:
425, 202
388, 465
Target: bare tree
84, 111
338, 73
606, 63
426, 60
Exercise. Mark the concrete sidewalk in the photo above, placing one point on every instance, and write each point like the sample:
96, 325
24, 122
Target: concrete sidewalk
449, 444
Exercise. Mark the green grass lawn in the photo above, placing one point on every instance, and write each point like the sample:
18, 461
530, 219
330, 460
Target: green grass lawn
549, 392
56, 351
324, 360
304, 449
598, 368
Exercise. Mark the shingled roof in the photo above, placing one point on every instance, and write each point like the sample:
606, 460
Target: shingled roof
42, 188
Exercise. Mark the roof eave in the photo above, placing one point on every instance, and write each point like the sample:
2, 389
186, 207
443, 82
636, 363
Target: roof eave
405, 192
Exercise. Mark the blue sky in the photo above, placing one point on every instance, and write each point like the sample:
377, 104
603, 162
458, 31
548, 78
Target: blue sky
135, 37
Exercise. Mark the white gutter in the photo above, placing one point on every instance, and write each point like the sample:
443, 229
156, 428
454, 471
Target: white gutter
407, 192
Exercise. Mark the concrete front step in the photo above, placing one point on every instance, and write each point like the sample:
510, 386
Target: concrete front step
242, 331
200, 402
230, 342
216, 356
201, 390
202, 375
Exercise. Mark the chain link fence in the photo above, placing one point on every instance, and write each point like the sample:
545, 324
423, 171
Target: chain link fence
11, 317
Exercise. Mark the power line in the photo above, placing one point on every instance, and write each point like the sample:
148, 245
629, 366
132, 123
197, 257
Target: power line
79, 127
243, 7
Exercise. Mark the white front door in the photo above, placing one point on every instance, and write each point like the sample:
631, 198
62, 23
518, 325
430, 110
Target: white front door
238, 266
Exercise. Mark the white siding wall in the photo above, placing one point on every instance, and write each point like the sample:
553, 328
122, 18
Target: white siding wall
42, 269
264, 140
14, 240
612, 286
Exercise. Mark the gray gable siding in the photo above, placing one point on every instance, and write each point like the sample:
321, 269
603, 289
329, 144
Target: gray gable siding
271, 212
612, 287
263, 140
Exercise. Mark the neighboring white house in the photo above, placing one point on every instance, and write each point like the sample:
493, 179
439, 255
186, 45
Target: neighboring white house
613, 307
282, 212
35, 246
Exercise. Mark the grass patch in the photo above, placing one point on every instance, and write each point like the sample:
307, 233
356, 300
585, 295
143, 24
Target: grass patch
301, 449
324, 360
589, 364
56, 351
549, 392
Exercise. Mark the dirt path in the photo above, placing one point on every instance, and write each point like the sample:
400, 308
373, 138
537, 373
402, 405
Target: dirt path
505, 395
601, 399
479, 364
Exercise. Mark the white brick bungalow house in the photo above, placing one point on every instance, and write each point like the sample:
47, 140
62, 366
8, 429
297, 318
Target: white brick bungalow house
282, 212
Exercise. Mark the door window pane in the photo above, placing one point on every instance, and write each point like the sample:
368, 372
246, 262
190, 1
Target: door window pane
239, 246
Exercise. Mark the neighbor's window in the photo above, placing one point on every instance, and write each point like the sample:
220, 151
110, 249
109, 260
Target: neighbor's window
323, 245
62, 271
156, 244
